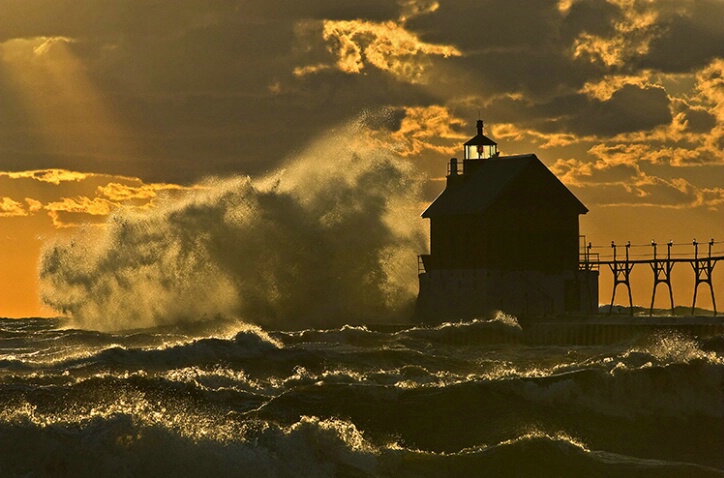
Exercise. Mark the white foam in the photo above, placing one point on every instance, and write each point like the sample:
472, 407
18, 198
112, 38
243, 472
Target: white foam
328, 240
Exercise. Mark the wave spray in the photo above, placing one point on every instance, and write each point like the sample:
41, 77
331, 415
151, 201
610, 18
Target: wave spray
329, 239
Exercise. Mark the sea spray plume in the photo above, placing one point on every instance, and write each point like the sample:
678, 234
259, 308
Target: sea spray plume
328, 240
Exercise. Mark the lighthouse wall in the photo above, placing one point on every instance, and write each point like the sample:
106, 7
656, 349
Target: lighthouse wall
463, 294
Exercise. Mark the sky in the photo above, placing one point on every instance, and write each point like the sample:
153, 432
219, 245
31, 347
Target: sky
106, 105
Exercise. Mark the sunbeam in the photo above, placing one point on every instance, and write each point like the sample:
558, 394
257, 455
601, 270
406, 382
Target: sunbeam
70, 116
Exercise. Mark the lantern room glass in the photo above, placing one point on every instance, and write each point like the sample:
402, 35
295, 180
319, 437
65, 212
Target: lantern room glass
480, 151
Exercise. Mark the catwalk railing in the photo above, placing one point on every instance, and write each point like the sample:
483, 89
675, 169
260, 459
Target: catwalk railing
701, 257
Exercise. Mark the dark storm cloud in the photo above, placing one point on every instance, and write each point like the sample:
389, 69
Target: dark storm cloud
688, 38
537, 75
192, 135
530, 49
220, 86
376, 10
517, 46
474, 25
699, 120
141, 18
13, 115
208, 86
99, 18
628, 110
228, 56
593, 17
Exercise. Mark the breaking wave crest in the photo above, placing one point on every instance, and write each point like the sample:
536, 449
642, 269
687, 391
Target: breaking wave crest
139, 444
330, 239
125, 444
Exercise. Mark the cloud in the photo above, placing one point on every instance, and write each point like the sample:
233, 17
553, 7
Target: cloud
33, 205
69, 212
620, 177
690, 36
122, 193
387, 46
11, 208
373, 10
82, 204
71, 198
608, 156
699, 120
425, 129
630, 108
572, 171
713, 198
604, 88
634, 28
710, 87
193, 89
642, 189
53, 176
692, 136
474, 26
593, 17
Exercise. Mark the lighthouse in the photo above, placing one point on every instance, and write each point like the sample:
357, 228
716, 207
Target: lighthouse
504, 235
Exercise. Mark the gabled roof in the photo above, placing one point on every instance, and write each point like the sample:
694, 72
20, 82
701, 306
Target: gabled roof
477, 191
479, 139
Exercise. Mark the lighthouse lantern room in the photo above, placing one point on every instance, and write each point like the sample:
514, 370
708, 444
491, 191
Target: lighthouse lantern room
480, 146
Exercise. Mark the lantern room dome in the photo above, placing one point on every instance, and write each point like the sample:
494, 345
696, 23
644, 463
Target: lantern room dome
480, 146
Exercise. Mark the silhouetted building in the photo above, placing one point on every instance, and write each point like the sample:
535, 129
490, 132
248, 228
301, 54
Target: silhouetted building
503, 236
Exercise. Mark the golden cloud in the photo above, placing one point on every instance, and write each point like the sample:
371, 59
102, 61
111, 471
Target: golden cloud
571, 171
118, 192
11, 208
564, 6
71, 198
633, 35
655, 148
646, 190
509, 131
53, 176
618, 155
414, 8
710, 87
650, 153
82, 204
713, 198
677, 143
310, 69
387, 46
615, 180
427, 128
512, 132
604, 89
33, 205
34, 48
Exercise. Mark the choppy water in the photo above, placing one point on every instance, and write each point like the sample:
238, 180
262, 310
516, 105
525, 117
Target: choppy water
219, 400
